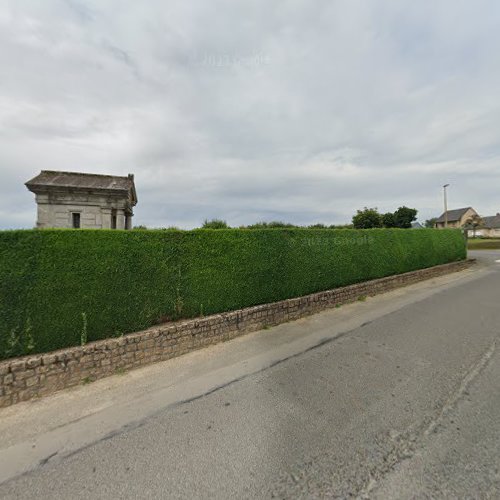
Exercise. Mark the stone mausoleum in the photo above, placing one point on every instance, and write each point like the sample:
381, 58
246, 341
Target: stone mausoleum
88, 201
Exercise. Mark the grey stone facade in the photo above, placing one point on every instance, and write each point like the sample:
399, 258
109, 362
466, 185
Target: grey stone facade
87, 201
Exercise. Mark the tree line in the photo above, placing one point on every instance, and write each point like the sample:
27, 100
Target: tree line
367, 218
222, 224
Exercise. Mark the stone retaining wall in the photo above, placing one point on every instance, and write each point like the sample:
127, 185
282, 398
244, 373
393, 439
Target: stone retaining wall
32, 376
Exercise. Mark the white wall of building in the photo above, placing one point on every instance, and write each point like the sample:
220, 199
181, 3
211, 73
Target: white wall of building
96, 211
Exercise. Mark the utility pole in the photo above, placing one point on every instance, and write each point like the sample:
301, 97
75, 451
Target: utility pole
445, 206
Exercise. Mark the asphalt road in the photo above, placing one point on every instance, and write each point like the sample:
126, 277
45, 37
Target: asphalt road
398, 397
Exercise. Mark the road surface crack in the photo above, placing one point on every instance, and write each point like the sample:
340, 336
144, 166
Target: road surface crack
406, 443
473, 372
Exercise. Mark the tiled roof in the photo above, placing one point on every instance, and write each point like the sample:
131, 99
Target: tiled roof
454, 215
78, 180
492, 222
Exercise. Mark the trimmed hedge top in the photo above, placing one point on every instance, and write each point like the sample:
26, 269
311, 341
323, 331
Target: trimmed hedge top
59, 288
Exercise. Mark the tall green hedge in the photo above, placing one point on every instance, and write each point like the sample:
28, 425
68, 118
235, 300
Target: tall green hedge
59, 288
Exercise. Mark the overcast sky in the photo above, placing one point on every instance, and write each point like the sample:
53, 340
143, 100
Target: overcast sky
248, 110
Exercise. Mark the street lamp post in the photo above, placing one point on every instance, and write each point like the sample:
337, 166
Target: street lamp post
445, 206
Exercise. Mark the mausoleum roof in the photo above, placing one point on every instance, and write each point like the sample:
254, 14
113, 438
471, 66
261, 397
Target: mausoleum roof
83, 181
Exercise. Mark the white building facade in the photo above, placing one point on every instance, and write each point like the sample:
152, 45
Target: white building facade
87, 201
490, 227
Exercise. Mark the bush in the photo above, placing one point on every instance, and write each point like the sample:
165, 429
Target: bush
368, 218
61, 288
215, 224
274, 224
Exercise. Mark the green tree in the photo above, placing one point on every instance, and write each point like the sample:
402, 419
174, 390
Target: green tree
367, 218
431, 223
215, 224
389, 220
474, 222
404, 216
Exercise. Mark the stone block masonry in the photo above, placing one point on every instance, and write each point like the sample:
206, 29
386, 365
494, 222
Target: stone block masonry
38, 375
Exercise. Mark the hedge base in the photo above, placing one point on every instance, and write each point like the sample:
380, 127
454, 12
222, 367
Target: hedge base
33, 376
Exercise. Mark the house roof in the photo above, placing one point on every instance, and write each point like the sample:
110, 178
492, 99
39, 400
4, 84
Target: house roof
492, 222
416, 225
454, 215
83, 181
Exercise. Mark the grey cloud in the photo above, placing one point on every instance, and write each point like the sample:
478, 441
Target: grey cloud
303, 112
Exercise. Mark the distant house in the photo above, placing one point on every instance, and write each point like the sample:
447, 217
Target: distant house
490, 228
456, 218
78, 200
416, 225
